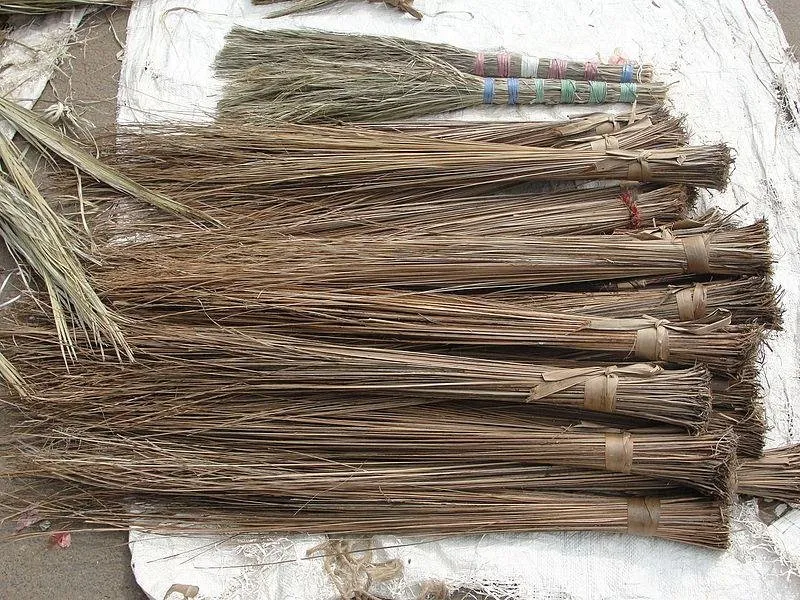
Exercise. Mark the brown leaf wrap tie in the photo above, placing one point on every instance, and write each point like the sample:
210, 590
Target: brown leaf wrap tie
639, 169
652, 343
643, 516
607, 142
691, 302
696, 249
619, 452
600, 383
652, 335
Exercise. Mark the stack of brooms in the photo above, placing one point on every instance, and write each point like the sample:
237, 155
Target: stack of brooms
363, 325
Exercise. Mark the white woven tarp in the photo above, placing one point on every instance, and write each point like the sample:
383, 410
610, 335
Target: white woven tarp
29, 55
732, 74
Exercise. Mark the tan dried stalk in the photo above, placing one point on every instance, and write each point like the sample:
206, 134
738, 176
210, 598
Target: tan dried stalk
294, 375
775, 475
250, 48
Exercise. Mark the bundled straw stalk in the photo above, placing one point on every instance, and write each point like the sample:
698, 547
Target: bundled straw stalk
405, 6
246, 48
686, 519
750, 300
372, 91
573, 212
189, 370
231, 262
639, 135
645, 127
776, 475
37, 7
431, 318
306, 161
704, 462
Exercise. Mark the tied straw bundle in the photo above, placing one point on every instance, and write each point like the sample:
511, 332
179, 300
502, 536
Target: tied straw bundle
573, 212
749, 300
371, 91
431, 318
405, 6
247, 48
231, 261
704, 462
188, 370
363, 87
776, 475
686, 519
602, 131
218, 166
39, 7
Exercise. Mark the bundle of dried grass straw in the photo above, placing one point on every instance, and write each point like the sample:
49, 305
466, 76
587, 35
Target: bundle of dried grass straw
379, 328
41, 7
405, 6
318, 76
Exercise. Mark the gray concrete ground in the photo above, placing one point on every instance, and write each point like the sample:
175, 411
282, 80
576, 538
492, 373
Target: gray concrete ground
97, 565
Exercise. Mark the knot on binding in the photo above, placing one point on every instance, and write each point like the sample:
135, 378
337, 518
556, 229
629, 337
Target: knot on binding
691, 302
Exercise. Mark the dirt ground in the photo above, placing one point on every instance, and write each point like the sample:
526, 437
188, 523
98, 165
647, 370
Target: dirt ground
97, 565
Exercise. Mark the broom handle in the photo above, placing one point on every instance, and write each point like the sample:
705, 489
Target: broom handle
516, 91
508, 64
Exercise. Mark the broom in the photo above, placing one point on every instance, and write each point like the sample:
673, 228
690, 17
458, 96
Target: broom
371, 91
704, 462
405, 6
37, 7
213, 163
569, 212
233, 262
750, 300
775, 475
205, 366
687, 519
245, 48
646, 127
287, 158
431, 318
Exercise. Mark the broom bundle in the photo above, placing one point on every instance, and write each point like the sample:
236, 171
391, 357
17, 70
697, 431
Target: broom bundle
704, 462
230, 261
215, 162
569, 212
318, 88
431, 318
40, 7
775, 475
749, 299
245, 48
405, 6
647, 127
370, 91
195, 370
688, 519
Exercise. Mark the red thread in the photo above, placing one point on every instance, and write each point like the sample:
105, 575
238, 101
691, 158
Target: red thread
558, 68
629, 201
503, 64
590, 71
478, 70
